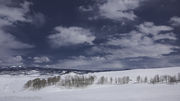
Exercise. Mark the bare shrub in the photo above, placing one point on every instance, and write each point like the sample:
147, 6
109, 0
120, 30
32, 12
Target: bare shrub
38, 83
102, 80
178, 78
138, 79
145, 79
77, 81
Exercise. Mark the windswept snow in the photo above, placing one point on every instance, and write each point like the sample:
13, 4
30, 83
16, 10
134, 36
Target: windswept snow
11, 88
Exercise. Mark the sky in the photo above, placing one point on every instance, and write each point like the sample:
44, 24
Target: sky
90, 34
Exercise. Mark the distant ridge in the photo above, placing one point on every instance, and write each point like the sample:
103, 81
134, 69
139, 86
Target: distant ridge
18, 70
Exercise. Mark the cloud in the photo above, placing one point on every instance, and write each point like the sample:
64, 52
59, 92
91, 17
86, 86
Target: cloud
175, 21
148, 40
42, 59
14, 60
89, 63
71, 36
14, 13
9, 44
38, 20
119, 9
86, 9
11, 13
151, 28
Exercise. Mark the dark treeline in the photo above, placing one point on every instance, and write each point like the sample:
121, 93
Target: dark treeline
76, 81
159, 79
116, 80
41, 83
80, 81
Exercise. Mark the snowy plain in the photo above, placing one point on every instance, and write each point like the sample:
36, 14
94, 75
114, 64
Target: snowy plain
11, 88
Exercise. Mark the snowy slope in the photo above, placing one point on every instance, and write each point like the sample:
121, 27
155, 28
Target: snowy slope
11, 88
142, 72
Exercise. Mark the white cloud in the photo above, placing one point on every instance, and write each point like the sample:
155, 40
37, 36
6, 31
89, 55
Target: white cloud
119, 9
92, 63
71, 36
14, 60
175, 21
10, 14
143, 42
9, 41
14, 13
8, 45
157, 32
42, 59
150, 28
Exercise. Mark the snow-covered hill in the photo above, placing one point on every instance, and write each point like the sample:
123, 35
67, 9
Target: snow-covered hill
11, 88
